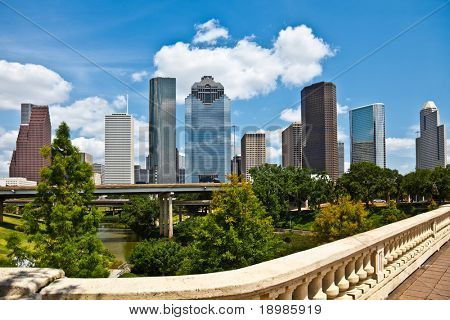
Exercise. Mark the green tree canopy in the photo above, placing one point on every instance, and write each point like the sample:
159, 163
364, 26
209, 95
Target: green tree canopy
141, 214
60, 222
441, 178
235, 234
340, 220
271, 184
419, 184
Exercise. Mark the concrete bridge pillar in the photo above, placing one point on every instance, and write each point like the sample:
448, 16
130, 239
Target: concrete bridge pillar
161, 214
166, 215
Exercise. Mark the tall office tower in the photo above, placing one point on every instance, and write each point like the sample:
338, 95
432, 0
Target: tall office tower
341, 156
181, 167
367, 135
253, 152
34, 133
208, 132
236, 165
99, 169
162, 140
431, 147
119, 149
291, 146
319, 120
86, 157
141, 176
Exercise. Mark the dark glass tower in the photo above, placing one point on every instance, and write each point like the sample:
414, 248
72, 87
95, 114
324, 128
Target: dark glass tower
34, 133
319, 119
162, 139
208, 132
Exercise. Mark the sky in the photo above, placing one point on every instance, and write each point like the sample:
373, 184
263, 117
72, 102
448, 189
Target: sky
83, 57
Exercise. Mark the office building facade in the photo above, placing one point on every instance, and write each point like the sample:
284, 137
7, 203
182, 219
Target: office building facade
119, 149
86, 157
319, 121
291, 146
253, 152
368, 135
208, 132
162, 130
34, 133
431, 145
236, 165
341, 156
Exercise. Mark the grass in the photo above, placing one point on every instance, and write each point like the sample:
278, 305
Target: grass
8, 227
295, 242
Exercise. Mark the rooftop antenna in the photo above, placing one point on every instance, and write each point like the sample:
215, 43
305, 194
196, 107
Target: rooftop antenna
127, 103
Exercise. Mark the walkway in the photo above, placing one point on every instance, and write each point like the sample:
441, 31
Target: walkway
430, 282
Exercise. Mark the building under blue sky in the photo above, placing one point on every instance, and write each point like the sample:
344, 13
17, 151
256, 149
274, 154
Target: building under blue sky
83, 57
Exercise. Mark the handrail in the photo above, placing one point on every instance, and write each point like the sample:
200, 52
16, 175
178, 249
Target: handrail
365, 266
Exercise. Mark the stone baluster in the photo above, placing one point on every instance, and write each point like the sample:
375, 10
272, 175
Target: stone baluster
378, 259
301, 292
315, 291
342, 282
359, 266
287, 294
329, 286
367, 264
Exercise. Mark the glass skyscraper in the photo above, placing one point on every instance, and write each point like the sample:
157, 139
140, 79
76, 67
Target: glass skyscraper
208, 132
162, 140
367, 135
431, 146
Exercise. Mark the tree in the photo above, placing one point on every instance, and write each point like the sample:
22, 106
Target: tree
340, 220
388, 184
361, 181
419, 184
392, 213
300, 185
235, 234
60, 222
141, 214
157, 257
441, 179
270, 185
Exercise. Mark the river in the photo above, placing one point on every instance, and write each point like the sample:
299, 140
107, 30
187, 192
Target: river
118, 241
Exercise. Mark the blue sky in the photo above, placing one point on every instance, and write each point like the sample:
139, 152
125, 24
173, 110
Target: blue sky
264, 52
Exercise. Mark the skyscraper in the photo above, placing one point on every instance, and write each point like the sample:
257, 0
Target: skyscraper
341, 156
162, 140
291, 146
236, 165
367, 135
208, 132
119, 149
253, 152
99, 170
319, 120
86, 157
34, 133
431, 147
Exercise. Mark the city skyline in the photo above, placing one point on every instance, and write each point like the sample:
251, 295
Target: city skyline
81, 91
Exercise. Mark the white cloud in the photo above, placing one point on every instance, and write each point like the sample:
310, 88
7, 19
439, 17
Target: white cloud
246, 69
93, 146
86, 116
291, 114
22, 83
273, 144
342, 136
7, 144
209, 32
342, 109
402, 147
140, 76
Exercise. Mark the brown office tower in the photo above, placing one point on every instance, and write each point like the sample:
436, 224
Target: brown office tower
319, 119
34, 133
253, 152
291, 146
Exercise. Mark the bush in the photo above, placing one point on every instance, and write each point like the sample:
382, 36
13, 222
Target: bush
392, 214
432, 206
160, 257
184, 231
340, 220
235, 234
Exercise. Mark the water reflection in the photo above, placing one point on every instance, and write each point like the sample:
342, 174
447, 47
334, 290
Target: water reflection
117, 240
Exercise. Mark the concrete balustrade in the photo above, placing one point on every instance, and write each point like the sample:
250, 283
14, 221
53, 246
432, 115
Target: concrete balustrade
365, 266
